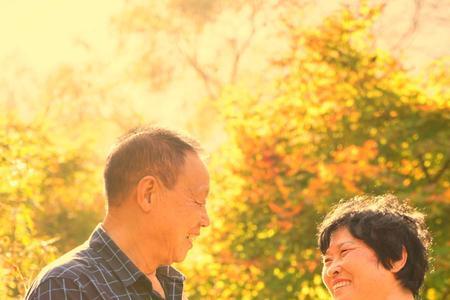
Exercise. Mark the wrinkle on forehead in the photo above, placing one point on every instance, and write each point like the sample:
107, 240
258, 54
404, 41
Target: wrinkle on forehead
194, 173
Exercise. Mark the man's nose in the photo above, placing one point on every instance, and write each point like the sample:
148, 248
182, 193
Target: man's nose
204, 222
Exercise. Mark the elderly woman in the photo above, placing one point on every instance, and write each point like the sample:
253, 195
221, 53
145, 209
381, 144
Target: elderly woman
374, 248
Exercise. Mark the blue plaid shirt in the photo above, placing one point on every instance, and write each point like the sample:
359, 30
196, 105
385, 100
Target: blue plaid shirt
98, 269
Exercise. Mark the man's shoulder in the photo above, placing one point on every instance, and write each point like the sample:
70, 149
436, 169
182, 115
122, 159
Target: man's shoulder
71, 265
73, 269
74, 266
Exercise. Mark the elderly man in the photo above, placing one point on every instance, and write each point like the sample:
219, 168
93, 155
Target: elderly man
156, 187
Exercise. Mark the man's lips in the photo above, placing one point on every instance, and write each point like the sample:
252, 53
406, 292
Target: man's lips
191, 237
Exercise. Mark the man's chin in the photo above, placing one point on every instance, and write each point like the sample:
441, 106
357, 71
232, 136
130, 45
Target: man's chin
179, 259
180, 256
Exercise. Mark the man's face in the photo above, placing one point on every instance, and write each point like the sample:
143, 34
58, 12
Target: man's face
182, 210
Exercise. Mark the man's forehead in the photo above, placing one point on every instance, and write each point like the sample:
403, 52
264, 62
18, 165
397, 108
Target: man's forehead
193, 161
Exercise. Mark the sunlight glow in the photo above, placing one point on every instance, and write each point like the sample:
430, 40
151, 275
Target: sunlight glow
46, 33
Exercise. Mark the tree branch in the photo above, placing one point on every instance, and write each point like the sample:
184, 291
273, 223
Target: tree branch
438, 175
208, 80
414, 24
245, 44
441, 171
424, 168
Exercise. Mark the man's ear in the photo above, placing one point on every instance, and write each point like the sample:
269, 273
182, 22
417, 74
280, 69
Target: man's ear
399, 264
145, 191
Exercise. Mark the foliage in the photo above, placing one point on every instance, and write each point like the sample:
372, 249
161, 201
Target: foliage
43, 208
344, 119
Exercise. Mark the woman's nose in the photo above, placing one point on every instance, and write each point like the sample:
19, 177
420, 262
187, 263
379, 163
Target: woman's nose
333, 269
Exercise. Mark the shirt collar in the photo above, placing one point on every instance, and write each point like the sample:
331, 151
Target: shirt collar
170, 273
122, 266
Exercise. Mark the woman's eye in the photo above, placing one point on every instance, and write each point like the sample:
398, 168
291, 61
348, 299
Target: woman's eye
345, 251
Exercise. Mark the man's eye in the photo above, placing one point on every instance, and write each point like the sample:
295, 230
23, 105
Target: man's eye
327, 261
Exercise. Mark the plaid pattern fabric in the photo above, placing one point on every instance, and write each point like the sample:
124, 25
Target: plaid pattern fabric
98, 269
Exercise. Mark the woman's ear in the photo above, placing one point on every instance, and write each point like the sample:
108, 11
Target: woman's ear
399, 264
145, 189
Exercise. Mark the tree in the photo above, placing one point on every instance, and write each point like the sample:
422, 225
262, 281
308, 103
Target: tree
345, 119
45, 206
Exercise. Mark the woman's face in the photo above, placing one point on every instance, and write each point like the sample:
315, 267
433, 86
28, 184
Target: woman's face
351, 270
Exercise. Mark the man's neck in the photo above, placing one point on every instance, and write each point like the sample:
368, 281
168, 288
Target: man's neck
132, 242
156, 284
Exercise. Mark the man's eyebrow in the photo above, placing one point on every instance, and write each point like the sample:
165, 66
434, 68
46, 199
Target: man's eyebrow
204, 189
201, 190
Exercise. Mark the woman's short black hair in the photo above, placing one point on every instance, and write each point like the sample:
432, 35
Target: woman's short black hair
385, 224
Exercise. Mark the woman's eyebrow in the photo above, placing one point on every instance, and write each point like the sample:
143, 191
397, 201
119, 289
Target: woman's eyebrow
338, 246
343, 243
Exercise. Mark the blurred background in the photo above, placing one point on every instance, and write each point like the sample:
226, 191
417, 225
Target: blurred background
299, 103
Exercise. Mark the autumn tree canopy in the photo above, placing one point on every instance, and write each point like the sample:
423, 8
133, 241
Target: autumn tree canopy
344, 118
304, 116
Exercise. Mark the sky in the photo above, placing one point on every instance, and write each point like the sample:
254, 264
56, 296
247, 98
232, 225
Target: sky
43, 34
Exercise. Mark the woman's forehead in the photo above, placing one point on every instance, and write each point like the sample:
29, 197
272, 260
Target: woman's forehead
340, 236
